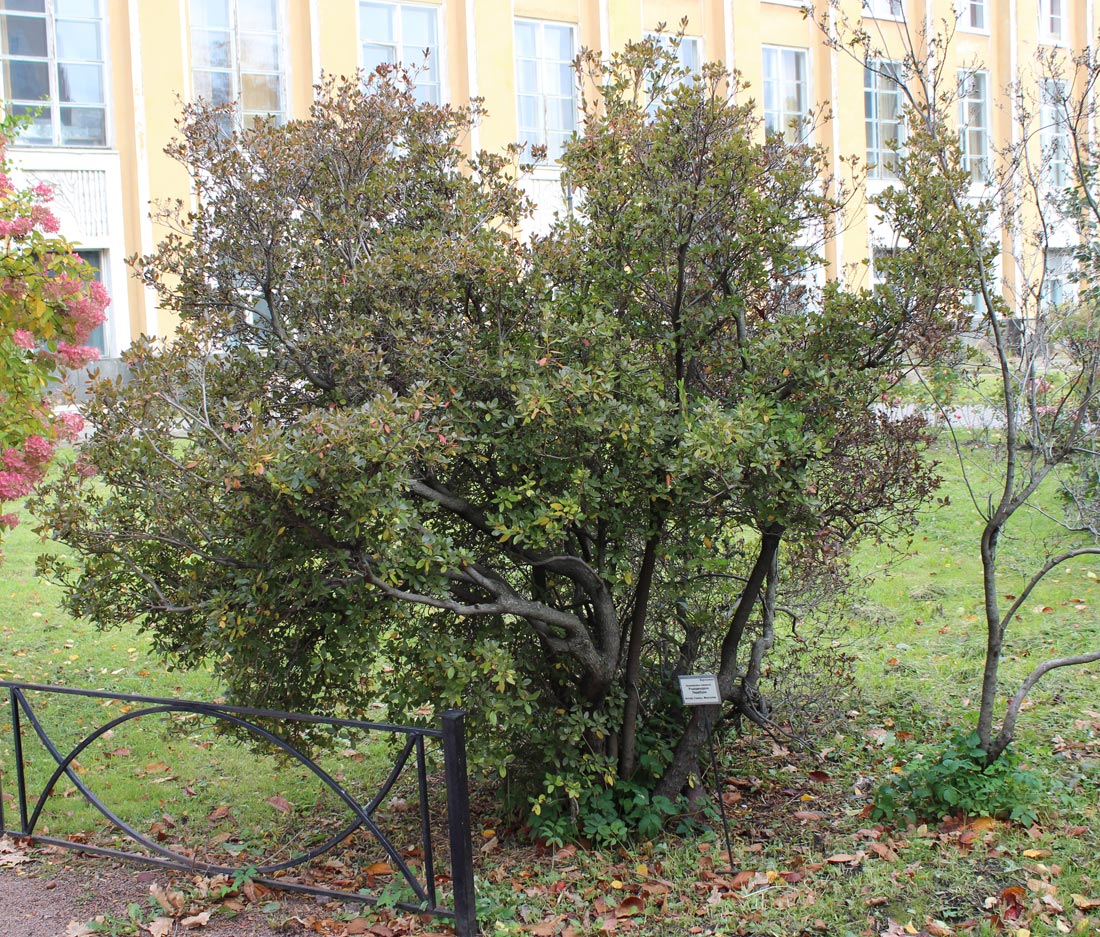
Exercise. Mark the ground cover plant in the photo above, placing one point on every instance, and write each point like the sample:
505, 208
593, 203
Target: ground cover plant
808, 856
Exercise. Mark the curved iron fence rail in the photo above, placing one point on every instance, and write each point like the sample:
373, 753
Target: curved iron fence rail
452, 736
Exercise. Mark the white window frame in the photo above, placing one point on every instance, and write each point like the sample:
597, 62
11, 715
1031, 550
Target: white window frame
235, 70
884, 9
689, 55
793, 126
1059, 286
974, 136
541, 134
875, 84
1052, 21
971, 10
54, 105
416, 66
880, 280
688, 49
1054, 141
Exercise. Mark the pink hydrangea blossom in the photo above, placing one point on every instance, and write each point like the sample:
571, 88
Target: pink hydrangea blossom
45, 219
16, 227
13, 460
8, 521
43, 191
76, 356
70, 425
88, 309
37, 450
16, 485
23, 339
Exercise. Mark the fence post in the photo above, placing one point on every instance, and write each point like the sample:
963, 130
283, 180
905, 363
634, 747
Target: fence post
458, 820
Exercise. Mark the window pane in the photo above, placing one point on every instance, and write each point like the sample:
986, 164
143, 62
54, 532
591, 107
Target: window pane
78, 42
567, 116
210, 13
80, 84
689, 53
527, 76
40, 130
260, 93
83, 126
528, 114
24, 35
559, 42
375, 55
257, 15
27, 6
525, 40
418, 26
260, 53
210, 49
426, 92
214, 87
425, 67
376, 22
29, 81
85, 9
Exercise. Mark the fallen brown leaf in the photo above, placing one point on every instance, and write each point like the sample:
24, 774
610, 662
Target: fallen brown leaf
159, 927
630, 906
198, 920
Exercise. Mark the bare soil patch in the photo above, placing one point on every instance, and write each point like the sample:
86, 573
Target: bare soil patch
52, 895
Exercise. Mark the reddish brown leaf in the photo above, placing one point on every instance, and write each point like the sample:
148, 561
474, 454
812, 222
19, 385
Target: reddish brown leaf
379, 868
742, 879
630, 906
280, 803
820, 776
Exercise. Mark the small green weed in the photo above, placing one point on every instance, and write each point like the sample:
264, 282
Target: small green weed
956, 779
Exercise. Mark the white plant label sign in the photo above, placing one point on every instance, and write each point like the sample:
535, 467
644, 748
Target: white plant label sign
700, 689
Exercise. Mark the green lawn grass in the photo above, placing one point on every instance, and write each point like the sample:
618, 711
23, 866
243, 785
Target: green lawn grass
180, 779
807, 857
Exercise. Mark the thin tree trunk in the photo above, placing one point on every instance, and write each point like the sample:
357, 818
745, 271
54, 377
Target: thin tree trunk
994, 633
685, 759
629, 732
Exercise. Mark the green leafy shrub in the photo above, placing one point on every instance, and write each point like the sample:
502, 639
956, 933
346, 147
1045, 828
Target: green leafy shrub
957, 779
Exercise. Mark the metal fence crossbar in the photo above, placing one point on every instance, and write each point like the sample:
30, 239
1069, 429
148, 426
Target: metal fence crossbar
452, 737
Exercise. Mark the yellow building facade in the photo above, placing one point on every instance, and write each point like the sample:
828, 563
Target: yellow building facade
104, 81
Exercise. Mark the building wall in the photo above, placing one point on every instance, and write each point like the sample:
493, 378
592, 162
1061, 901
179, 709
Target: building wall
105, 191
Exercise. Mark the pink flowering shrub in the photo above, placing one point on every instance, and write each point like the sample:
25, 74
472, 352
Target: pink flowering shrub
49, 306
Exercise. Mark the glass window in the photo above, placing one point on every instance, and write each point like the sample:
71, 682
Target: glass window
1052, 20
884, 9
98, 338
545, 102
786, 95
882, 105
974, 124
52, 67
1054, 134
237, 57
687, 49
1059, 286
973, 15
404, 34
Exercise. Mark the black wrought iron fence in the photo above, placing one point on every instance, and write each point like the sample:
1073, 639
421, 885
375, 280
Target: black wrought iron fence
422, 882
